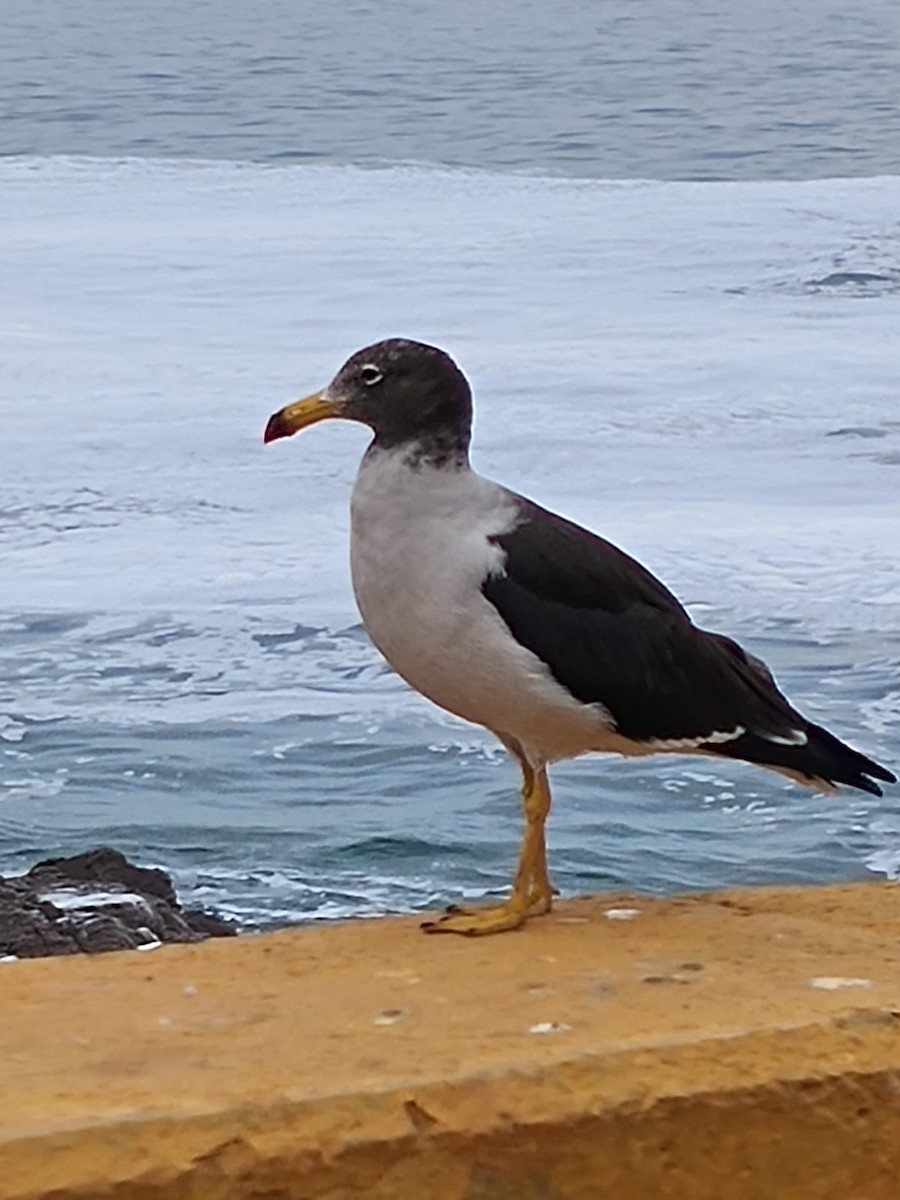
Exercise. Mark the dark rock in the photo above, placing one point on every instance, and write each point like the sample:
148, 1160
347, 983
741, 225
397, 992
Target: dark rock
95, 902
104, 866
210, 924
27, 930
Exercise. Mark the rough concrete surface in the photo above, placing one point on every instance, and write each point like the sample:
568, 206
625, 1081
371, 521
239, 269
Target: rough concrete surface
736, 1046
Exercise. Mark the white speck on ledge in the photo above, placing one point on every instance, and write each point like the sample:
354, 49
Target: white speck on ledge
830, 983
390, 1016
622, 914
550, 1027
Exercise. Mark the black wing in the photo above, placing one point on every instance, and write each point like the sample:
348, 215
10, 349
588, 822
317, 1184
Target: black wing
612, 634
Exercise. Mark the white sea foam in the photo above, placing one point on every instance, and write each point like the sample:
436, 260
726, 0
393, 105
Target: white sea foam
688, 368
71, 899
649, 356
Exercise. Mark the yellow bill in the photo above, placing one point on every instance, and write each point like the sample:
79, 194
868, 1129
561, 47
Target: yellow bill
294, 417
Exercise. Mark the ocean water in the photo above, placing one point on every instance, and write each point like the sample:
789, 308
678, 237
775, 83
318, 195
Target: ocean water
662, 240
661, 89
703, 372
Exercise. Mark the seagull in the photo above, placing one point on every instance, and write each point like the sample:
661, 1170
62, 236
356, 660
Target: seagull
516, 619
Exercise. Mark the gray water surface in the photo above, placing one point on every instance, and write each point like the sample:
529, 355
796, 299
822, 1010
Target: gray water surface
182, 670
663, 89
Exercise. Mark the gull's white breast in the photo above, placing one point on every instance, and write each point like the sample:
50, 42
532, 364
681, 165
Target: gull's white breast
419, 553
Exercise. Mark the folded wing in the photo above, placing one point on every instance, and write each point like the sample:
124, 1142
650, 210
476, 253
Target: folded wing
612, 634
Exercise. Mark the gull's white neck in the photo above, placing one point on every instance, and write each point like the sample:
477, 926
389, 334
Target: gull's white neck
395, 481
420, 548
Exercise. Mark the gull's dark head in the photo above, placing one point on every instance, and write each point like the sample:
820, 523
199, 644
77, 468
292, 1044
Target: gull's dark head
409, 394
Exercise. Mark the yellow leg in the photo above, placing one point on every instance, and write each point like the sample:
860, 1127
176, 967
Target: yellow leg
532, 893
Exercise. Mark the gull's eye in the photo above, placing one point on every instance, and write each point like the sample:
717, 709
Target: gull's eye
370, 374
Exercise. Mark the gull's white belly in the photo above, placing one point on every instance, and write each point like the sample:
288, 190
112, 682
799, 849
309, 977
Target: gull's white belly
419, 554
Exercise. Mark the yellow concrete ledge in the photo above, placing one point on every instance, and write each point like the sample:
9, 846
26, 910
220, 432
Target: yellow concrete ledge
739, 1046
